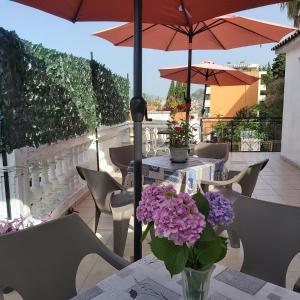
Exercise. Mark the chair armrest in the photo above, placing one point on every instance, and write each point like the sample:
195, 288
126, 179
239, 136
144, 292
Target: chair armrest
232, 173
118, 185
230, 181
119, 165
297, 286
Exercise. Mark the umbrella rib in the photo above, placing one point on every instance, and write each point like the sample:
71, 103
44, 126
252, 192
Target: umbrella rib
217, 79
244, 82
252, 31
198, 71
194, 73
172, 39
215, 37
175, 28
74, 19
130, 37
210, 26
196, 27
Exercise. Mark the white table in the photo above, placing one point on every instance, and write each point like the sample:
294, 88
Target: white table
159, 169
148, 279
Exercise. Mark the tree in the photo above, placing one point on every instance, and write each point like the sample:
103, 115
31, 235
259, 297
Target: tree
274, 99
171, 92
293, 11
180, 91
278, 66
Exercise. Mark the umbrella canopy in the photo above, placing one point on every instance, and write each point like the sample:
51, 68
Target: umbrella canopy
175, 12
224, 32
209, 73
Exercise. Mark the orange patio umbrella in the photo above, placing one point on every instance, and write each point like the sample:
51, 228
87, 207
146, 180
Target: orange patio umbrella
225, 32
209, 73
172, 12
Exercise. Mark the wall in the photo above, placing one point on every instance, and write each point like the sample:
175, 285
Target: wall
290, 148
226, 101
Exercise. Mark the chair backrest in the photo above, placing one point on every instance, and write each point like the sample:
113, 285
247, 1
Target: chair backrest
249, 180
121, 155
100, 184
80, 172
270, 236
212, 150
41, 262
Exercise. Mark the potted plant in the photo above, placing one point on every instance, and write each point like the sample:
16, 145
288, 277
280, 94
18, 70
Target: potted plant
180, 135
186, 240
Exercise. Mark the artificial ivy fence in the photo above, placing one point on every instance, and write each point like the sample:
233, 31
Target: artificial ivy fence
46, 95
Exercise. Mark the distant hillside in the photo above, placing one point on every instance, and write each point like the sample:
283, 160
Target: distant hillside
198, 94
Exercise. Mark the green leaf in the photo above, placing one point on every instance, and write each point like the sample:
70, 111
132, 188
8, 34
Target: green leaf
211, 252
202, 203
174, 257
208, 234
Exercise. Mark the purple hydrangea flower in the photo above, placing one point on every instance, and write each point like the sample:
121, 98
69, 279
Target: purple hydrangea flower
152, 196
178, 219
221, 212
17, 224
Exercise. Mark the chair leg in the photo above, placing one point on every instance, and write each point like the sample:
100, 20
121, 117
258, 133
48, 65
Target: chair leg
120, 231
233, 238
97, 217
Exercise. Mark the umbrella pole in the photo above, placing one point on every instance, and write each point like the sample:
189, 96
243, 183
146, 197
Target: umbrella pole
202, 112
189, 77
138, 108
96, 128
203, 104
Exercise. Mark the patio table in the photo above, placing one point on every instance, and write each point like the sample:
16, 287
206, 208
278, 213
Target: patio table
159, 169
148, 279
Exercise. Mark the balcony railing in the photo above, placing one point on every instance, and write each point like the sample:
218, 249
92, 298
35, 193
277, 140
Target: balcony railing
244, 134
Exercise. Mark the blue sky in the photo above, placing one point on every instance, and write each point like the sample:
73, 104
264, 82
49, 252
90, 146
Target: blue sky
56, 33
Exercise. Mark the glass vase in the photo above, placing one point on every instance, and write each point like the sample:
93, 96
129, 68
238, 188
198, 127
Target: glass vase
195, 283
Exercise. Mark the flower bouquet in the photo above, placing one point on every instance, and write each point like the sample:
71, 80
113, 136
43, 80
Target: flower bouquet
186, 240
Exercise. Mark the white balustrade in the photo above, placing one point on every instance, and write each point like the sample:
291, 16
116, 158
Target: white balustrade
44, 181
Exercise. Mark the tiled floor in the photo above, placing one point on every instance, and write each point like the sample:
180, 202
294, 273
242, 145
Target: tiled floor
278, 182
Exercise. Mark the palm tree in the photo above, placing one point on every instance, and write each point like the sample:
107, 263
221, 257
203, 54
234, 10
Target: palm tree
293, 11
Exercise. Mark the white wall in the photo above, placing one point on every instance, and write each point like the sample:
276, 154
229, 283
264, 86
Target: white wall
290, 149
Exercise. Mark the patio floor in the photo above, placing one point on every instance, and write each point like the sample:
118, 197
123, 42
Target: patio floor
279, 182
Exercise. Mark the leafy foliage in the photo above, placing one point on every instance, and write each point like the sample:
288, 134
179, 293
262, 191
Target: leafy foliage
112, 94
46, 95
293, 11
12, 76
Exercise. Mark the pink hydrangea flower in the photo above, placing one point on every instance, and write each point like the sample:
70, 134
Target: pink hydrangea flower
178, 219
152, 196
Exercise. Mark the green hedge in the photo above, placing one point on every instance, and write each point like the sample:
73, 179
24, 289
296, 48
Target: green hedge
46, 95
